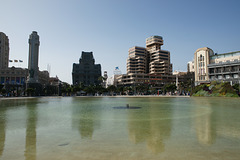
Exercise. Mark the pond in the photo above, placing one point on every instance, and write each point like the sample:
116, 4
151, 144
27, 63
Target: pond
100, 128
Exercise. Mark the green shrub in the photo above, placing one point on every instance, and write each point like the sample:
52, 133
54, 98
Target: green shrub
215, 89
231, 95
201, 93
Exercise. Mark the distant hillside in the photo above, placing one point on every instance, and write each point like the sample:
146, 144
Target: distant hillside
215, 89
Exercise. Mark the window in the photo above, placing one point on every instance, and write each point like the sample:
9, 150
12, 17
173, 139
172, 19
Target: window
235, 76
227, 76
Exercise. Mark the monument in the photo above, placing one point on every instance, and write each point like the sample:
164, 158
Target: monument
32, 79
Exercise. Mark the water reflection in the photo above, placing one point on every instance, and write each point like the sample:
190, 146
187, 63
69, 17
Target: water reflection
2, 129
159, 126
31, 134
205, 129
84, 118
154, 128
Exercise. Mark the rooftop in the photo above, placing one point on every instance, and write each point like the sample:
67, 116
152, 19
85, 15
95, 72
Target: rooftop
229, 54
154, 37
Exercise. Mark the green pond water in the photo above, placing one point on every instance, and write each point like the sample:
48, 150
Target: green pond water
100, 128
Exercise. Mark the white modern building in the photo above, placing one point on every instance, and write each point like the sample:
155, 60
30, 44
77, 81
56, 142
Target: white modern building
223, 67
190, 66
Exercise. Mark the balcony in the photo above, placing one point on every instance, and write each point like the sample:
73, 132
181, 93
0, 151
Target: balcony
224, 64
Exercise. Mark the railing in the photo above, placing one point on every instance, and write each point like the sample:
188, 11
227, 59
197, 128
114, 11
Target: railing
224, 63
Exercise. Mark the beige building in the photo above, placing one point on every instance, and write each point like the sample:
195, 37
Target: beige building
201, 60
148, 66
149, 60
14, 76
137, 61
155, 81
4, 51
18, 76
159, 59
216, 67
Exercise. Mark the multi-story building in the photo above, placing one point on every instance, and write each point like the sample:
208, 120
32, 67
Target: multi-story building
190, 66
43, 77
225, 67
216, 67
159, 59
201, 60
14, 79
148, 66
4, 51
13, 76
156, 81
137, 61
86, 72
9, 76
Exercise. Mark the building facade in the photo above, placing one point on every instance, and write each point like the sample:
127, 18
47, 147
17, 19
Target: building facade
201, 61
15, 79
86, 72
155, 81
148, 66
33, 57
190, 66
216, 67
137, 61
14, 76
159, 59
225, 67
4, 51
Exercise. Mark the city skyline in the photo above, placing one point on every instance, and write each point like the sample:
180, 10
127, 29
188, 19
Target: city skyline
110, 28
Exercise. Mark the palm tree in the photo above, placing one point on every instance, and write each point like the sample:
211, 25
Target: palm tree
112, 89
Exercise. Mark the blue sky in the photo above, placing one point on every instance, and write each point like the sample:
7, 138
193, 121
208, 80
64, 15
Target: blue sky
110, 27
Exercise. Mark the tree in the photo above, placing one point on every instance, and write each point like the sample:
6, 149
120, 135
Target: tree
90, 89
112, 89
236, 87
30, 91
3, 91
169, 88
120, 90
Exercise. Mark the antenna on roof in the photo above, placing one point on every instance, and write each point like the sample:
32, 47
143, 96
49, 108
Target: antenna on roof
49, 69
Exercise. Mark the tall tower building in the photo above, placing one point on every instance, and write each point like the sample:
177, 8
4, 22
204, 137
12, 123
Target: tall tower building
137, 61
159, 59
201, 61
33, 57
4, 51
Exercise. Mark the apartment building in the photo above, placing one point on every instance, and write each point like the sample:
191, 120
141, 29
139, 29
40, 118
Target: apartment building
159, 59
225, 67
148, 66
216, 67
137, 61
